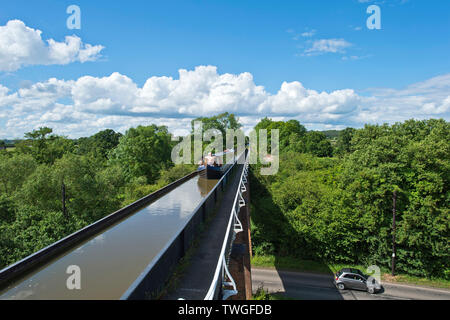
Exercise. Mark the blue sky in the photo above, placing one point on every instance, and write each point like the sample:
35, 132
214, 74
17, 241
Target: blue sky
270, 40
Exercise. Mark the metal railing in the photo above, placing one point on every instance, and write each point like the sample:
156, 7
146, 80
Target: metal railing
222, 277
153, 278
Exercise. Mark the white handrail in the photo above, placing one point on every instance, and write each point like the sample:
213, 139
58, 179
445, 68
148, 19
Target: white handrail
222, 268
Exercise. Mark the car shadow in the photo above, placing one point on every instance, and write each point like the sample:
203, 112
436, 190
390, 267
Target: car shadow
380, 291
270, 229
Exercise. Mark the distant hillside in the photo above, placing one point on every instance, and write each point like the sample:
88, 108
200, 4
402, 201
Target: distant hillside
10, 143
332, 134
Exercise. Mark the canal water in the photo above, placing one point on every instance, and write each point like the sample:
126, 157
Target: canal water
110, 261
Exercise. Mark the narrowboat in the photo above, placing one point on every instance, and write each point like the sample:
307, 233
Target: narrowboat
212, 166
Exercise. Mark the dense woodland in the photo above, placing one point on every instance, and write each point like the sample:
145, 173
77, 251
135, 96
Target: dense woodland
339, 209
100, 174
331, 199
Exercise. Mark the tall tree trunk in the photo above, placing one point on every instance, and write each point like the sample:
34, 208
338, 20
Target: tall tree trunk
394, 199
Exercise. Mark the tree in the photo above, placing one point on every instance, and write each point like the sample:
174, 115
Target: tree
40, 134
344, 141
221, 123
340, 209
89, 195
291, 132
7, 209
413, 158
44, 146
143, 151
316, 143
14, 171
100, 144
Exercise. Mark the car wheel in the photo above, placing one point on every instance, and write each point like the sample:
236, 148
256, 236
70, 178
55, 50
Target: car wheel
341, 286
371, 290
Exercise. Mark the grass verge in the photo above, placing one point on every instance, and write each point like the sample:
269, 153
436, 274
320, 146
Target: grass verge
262, 294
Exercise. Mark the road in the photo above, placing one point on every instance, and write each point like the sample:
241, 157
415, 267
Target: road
310, 286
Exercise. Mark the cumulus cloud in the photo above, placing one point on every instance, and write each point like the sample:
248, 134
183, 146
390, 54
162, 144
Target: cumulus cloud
22, 46
88, 104
426, 99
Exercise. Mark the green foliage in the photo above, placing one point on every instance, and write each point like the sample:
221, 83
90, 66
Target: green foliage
316, 208
143, 152
262, 294
221, 122
340, 210
332, 134
14, 170
32, 230
294, 137
344, 141
45, 147
291, 132
100, 144
316, 143
88, 194
138, 187
7, 209
175, 173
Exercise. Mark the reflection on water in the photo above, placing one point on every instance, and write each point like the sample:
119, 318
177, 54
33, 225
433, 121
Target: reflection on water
112, 260
205, 185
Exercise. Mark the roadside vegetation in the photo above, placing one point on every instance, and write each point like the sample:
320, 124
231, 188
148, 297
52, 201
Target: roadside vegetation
326, 209
263, 294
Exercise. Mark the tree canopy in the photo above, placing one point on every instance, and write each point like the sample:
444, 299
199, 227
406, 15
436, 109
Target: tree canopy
340, 209
331, 199
143, 152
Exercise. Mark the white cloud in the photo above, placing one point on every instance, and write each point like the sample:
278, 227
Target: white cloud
89, 104
22, 46
354, 57
111, 94
308, 34
327, 46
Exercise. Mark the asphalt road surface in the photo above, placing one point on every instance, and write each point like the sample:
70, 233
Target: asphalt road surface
310, 286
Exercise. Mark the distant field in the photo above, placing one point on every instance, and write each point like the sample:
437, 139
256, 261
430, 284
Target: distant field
9, 149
